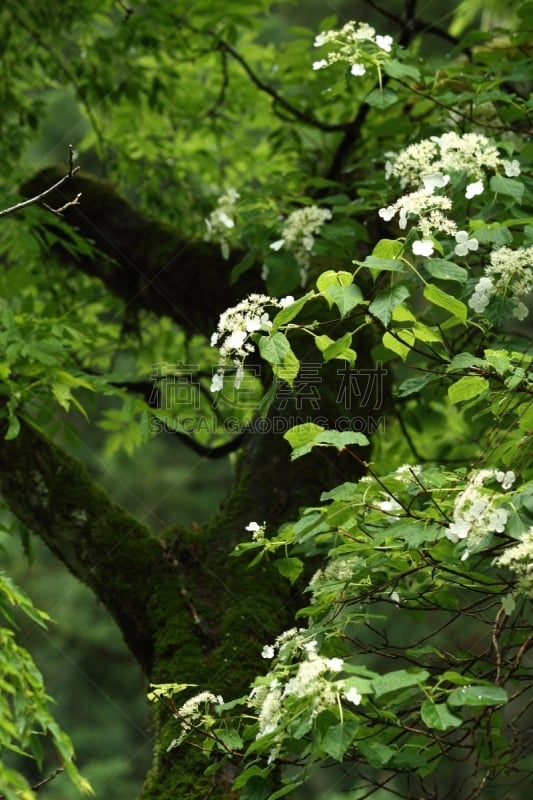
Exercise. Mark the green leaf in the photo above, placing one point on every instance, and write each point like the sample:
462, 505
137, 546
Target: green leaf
466, 388
395, 69
507, 186
290, 568
381, 98
303, 434
382, 264
398, 680
477, 696
339, 738
439, 298
339, 349
377, 754
438, 716
277, 351
402, 345
344, 297
332, 278
445, 270
388, 249
288, 369
304, 437
383, 305
290, 312
274, 348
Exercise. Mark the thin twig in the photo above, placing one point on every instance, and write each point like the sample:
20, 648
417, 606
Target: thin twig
37, 786
39, 197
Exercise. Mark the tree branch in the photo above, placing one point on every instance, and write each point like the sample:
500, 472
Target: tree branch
99, 542
145, 263
46, 192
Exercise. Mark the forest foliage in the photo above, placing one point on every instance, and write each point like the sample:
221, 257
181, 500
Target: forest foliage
306, 242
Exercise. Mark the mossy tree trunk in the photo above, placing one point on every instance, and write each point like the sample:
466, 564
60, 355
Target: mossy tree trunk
187, 611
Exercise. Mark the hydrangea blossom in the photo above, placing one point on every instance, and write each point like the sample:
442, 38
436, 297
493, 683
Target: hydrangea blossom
475, 512
426, 209
299, 231
221, 222
192, 712
355, 44
519, 558
301, 672
464, 243
257, 531
234, 329
509, 273
470, 153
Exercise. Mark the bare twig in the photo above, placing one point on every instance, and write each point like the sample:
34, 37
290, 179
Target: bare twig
39, 197
42, 783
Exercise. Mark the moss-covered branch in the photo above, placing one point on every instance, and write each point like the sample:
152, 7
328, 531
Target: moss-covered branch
145, 263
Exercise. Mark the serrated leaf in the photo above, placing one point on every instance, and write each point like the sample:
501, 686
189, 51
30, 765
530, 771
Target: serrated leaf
446, 301
382, 264
401, 346
438, 716
466, 388
507, 186
381, 98
398, 680
477, 696
396, 69
288, 370
339, 738
290, 312
290, 568
445, 270
344, 297
332, 277
274, 348
383, 305
388, 248
340, 349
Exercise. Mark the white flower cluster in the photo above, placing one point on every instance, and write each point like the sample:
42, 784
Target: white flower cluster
510, 273
257, 531
221, 222
519, 558
234, 329
431, 165
299, 231
192, 713
311, 677
356, 44
432, 161
475, 512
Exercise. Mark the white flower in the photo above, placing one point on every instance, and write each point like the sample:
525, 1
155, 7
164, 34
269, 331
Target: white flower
482, 294
278, 244
385, 42
286, 301
335, 664
221, 222
353, 696
423, 248
320, 64
464, 244
435, 180
387, 213
358, 69
299, 230
511, 168
267, 651
474, 189
321, 39
217, 382
505, 478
